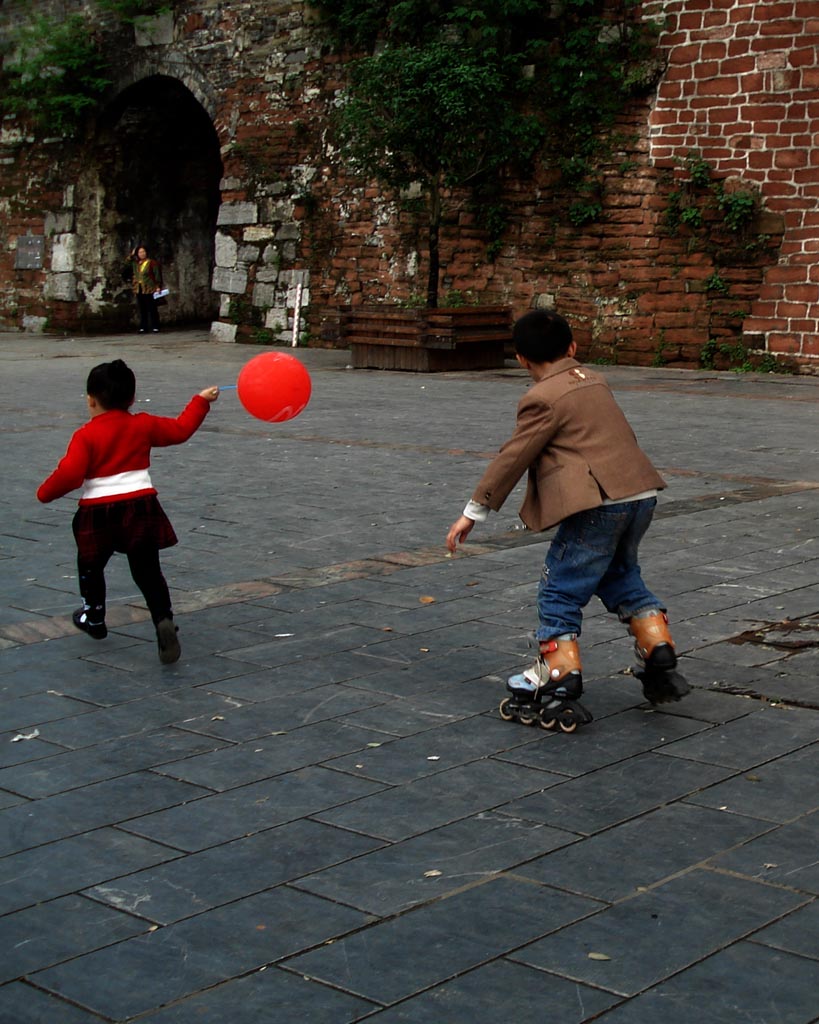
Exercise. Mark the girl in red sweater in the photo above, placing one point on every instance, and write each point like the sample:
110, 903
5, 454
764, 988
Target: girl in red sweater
109, 459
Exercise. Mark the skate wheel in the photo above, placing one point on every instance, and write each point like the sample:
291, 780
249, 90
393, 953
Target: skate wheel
548, 723
528, 718
568, 725
505, 713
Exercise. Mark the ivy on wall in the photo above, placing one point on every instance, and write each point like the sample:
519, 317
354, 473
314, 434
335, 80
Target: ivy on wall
454, 93
698, 201
54, 73
55, 70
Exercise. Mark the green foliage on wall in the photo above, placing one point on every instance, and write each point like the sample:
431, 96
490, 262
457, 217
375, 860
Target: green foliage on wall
451, 94
697, 193
55, 69
54, 73
738, 208
437, 113
736, 356
589, 58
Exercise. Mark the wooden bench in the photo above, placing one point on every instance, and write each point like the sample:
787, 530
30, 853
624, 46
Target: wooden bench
427, 340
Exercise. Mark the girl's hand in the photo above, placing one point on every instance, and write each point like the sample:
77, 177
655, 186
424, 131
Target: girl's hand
209, 394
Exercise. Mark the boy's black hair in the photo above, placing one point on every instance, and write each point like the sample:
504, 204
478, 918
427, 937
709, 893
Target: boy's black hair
112, 384
541, 336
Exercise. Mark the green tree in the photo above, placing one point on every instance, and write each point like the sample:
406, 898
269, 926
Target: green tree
438, 114
56, 69
454, 91
54, 73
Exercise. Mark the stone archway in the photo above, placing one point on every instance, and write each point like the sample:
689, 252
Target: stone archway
156, 172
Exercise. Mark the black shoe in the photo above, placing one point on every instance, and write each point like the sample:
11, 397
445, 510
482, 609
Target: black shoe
662, 683
98, 630
168, 642
663, 687
155, 330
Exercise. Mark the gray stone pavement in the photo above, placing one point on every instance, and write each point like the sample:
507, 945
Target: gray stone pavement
317, 814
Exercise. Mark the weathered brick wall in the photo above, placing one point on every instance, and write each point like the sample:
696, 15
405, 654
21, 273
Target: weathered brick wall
252, 68
635, 290
740, 88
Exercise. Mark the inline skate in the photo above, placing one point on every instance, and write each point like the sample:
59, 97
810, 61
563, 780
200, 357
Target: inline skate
656, 658
549, 691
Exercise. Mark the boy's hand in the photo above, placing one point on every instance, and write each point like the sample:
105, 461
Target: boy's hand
458, 532
209, 394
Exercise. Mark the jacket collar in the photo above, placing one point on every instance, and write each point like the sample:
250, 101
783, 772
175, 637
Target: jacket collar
559, 366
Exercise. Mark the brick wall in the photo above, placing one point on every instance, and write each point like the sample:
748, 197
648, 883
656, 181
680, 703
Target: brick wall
635, 290
740, 87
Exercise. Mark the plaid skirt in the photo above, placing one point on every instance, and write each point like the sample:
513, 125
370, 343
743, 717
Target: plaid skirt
110, 526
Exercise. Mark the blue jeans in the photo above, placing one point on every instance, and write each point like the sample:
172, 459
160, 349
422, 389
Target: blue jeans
595, 552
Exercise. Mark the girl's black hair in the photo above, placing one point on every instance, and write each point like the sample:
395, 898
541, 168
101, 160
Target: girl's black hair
112, 384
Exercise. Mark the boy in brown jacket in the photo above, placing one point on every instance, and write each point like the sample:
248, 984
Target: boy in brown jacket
587, 473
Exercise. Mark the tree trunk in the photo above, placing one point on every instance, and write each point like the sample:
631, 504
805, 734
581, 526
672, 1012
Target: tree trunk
434, 251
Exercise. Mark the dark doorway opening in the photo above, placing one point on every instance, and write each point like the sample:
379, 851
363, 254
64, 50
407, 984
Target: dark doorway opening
159, 167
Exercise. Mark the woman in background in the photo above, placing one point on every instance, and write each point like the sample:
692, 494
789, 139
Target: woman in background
146, 282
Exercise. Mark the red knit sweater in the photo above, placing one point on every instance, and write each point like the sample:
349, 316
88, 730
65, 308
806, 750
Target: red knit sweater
109, 456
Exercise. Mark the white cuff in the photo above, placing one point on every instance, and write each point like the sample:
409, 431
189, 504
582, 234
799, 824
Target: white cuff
478, 513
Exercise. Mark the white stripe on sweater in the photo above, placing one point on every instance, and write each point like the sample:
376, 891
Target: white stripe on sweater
118, 483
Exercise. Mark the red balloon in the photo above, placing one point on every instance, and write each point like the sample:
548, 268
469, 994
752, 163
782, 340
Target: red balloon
274, 387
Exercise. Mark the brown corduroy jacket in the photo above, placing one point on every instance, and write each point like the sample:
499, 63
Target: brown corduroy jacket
577, 446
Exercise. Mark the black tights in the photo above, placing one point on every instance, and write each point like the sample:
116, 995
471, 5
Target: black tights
146, 571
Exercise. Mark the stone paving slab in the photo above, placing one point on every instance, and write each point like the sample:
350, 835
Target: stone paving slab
248, 809
229, 871
487, 992
436, 863
619, 862
603, 798
147, 971
784, 856
796, 933
58, 770
652, 936
114, 801
317, 814
257, 996
745, 982
461, 930
228, 766
69, 865
60, 930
